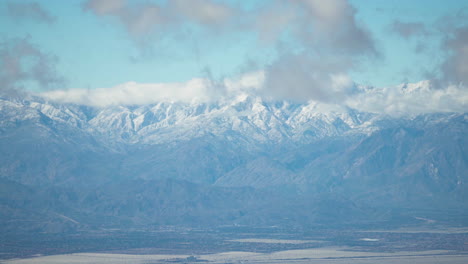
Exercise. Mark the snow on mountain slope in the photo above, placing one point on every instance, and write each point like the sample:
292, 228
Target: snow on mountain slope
246, 115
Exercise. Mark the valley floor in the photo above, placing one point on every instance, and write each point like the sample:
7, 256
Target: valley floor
242, 245
316, 255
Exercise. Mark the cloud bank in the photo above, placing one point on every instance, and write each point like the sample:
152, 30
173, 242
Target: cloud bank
402, 100
410, 99
132, 93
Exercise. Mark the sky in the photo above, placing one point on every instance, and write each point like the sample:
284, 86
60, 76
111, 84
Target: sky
155, 50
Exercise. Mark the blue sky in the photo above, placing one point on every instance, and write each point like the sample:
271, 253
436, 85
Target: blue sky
93, 44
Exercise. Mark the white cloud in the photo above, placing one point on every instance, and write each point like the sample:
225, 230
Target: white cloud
132, 93
249, 82
410, 99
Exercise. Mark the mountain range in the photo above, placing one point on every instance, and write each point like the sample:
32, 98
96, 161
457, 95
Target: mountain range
237, 161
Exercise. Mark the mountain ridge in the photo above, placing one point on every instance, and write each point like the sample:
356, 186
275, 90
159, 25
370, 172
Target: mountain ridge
250, 115
318, 164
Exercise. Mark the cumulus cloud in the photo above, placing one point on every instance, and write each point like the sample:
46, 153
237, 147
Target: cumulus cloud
331, 44
455, 68
23, 64
329, 25
141, 19
409, 30
334, 22
325, 25
302, 77
328, 39
138, 20
29, 11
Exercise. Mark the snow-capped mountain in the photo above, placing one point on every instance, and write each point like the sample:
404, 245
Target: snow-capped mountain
246, 116
242, 160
